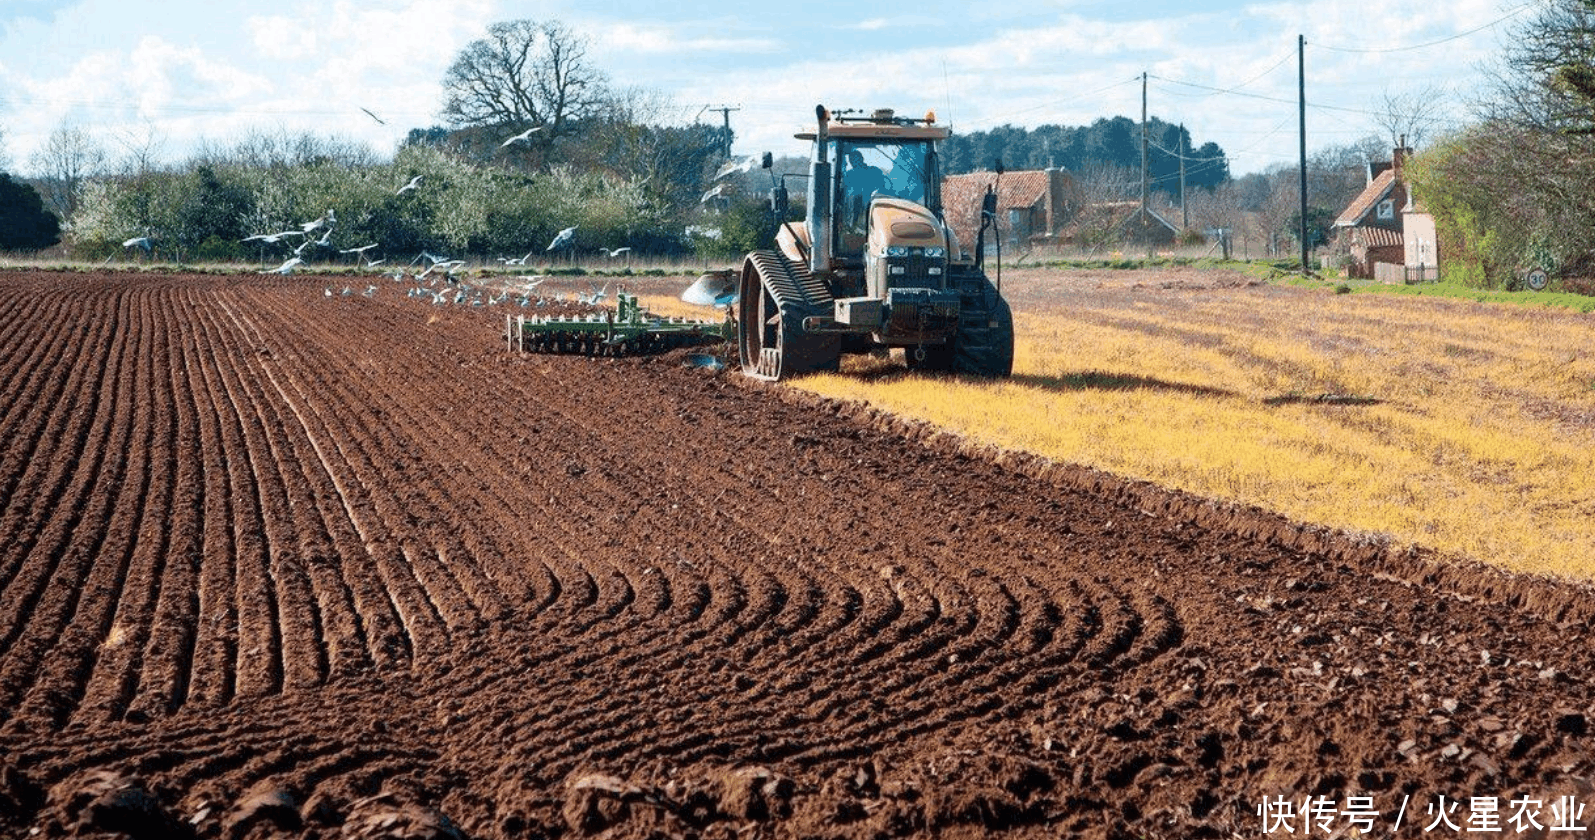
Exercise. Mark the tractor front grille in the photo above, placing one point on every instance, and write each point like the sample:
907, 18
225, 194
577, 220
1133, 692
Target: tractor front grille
915, 272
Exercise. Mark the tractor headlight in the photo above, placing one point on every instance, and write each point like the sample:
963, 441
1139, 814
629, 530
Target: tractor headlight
936, 252
897, 250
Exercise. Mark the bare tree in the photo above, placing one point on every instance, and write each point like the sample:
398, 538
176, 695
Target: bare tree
1408, 116
525, 74
1547, 76
66, 161
142, 150
1217, 209
1105, 195
5, 159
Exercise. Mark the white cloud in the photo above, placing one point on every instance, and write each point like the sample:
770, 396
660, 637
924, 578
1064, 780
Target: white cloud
281, 37
679, 40
214, 67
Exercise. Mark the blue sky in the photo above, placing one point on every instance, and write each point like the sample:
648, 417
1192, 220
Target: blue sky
130, 72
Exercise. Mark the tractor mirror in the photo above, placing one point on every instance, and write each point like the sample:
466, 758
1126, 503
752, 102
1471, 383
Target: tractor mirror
999, 166
769, 161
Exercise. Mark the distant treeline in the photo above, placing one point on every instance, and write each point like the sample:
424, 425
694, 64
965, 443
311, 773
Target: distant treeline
1112, 143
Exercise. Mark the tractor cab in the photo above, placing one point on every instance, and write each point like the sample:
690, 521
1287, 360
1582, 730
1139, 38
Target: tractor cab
874, 204
871, 266
873, 168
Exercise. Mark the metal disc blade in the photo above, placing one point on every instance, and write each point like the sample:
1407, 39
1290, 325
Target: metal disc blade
712, 288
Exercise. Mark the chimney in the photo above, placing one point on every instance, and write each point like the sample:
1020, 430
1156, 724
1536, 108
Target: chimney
1398, 157
1058, 210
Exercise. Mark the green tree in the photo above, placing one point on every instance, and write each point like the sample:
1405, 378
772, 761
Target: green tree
1519, 188
212, 211
24, 222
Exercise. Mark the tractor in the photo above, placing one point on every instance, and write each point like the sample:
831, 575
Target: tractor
874, 265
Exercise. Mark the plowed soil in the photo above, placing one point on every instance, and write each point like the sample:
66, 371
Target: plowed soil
278, 564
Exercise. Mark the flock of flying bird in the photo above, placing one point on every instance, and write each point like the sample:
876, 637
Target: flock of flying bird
445, 287
563, 241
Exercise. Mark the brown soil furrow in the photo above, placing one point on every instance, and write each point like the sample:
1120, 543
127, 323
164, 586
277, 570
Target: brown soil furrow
34, 354
25, 343
213, 679
389, 524
56, 617
110, 687
43, 457
170, 651
258, 637
302, 650
377, 612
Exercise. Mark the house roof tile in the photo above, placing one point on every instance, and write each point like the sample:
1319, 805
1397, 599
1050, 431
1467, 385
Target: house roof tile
1376, 237
1015, 189
1371, 195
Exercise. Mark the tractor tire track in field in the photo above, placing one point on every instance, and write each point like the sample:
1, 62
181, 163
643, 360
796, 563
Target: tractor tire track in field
273, 563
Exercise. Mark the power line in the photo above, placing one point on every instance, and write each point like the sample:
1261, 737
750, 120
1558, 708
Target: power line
1184, 157
1056, 103
1361, 112
1229, 91
1234, 88
1497, 22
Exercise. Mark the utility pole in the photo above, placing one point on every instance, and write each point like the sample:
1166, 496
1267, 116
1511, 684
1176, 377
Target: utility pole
1301, 92
1185, 214
1143, 149
725, 114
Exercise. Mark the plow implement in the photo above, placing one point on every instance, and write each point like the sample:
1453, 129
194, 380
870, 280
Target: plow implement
625, 330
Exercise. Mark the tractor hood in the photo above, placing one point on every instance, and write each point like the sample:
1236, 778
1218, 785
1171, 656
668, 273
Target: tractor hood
895, 222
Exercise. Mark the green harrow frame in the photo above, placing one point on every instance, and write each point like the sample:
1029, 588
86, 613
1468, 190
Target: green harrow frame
623, 331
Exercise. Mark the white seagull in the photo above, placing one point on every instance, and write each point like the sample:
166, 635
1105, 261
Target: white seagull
516, 260
733, 165
287, 267
414, 183
564, 239
272, 238
525, 135
327, 220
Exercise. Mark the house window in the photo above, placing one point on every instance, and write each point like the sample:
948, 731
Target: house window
1387, 210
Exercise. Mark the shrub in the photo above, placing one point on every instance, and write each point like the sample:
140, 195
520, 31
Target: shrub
24, 223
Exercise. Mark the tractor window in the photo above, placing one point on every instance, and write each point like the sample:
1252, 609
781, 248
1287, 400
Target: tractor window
865, 170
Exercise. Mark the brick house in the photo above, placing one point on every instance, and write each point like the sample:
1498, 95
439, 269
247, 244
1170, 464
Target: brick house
1371, 227
1041, 207
1033, 206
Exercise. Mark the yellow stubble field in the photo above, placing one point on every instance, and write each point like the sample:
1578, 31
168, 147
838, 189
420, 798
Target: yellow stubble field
1464, 427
